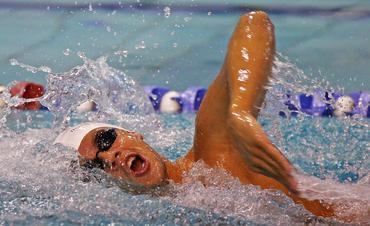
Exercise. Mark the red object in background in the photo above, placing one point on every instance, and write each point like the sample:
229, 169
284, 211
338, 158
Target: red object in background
28, 90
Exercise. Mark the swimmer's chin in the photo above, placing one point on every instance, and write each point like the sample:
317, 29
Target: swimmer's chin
155, 176
156, 185
141, 183
134, 188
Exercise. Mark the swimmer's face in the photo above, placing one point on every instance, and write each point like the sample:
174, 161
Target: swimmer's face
124, 155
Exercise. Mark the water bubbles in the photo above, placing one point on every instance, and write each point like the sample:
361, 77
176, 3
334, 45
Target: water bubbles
242, 89
44, 180
45, 69
209, 13
187, 19
141, 45
113, 92
243, 75
319, 140
123, 53
13, 62
66, 52
174, 45
82, 56
245, 54
90, 7
217, 190
30, 68
167, 11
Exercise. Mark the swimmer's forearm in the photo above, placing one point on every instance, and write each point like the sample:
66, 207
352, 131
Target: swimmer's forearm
249, 60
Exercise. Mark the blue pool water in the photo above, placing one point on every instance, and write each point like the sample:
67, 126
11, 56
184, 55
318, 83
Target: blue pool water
326, 39
179, 46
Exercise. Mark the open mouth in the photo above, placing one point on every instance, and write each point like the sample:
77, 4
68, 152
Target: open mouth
137, 164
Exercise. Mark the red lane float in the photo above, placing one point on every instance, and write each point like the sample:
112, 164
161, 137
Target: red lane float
28, 90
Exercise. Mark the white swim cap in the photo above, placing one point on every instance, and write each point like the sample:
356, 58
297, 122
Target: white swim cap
73, 136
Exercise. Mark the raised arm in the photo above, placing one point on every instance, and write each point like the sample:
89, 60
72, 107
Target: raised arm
227, 134
248, 67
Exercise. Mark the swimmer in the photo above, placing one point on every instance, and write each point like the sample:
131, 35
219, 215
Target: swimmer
227, 134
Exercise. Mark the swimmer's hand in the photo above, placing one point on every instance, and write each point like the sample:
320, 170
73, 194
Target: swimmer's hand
260, 154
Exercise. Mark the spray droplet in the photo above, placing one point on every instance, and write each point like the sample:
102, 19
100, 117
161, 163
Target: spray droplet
90, 7
30, 68
45, 69
243, 75
167, 11
245, 54
187, 19
13, 62
141, 45
123, 53
66, 52
82, 55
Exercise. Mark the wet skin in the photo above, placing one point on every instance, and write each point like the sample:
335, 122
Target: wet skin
227, 134
124, 155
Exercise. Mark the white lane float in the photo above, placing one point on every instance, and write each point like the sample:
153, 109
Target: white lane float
164, 100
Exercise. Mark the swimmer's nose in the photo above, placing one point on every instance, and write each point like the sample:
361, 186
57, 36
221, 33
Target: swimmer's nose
139, 136
109, 156
134, 163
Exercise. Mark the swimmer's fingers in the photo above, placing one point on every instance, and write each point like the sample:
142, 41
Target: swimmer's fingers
276, 158
265, 171
254, 144
269, 167
278, 162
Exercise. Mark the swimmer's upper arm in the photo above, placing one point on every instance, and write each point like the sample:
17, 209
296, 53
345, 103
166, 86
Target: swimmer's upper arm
248, 67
